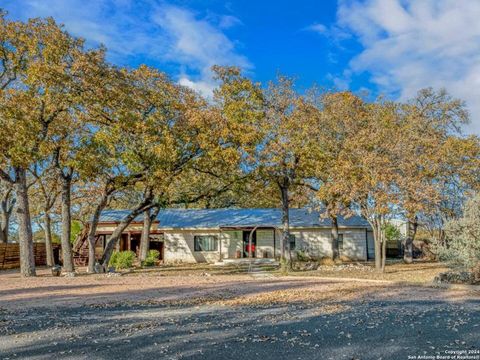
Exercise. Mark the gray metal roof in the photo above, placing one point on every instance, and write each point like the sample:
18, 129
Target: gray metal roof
217, 218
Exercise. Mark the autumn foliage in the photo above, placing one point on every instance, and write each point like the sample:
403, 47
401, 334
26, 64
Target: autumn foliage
80, 135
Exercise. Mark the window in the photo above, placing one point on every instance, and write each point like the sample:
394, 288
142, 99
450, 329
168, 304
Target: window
292, 242
205, 243
340, 242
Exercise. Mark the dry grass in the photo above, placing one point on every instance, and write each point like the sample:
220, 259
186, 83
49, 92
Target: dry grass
396, 270
326, 261
198, 284
194, 270
418, 272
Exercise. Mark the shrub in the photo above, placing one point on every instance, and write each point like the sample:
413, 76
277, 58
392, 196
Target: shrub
344, 258
154, 254
152, 258
122, 260
302, 255
463, 237
326, 261
113, 259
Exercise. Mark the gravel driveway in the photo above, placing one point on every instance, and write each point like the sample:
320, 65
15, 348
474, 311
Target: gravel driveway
232, 317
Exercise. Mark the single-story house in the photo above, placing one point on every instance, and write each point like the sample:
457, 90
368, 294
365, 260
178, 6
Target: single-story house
210, 235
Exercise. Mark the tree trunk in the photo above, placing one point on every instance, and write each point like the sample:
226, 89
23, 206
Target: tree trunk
384, 247
376, 225
47, 223
25, 237
145, 239
411, 232
378, 254
442, 237
335, 250
117, 233
148, 217
4, 222
93, 230
6, 209
285, 224
66, 224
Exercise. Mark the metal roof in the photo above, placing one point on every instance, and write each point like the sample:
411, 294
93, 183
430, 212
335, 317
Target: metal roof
233, 217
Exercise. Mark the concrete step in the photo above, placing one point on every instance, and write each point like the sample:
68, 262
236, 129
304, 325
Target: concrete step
240, 262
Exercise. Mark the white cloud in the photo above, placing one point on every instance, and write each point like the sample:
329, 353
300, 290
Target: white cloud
203, 87
146, 30
228, 21
319, 28
198, 45
108, 22
342, 82
411, 44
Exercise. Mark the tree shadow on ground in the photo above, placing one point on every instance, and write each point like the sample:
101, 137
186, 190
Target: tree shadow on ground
38, 289
161, 293
387, 328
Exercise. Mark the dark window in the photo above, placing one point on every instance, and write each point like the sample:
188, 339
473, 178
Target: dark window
292, 242
205, 243
340, 241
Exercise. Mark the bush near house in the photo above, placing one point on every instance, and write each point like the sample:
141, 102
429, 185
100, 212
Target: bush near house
302, 255
152, 258
122, 260
462, 247
463, 237
326, 261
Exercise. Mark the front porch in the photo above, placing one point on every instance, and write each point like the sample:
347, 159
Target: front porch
129, 241
241, 243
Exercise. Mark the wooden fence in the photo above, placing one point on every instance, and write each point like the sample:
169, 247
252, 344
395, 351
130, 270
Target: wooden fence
10, 255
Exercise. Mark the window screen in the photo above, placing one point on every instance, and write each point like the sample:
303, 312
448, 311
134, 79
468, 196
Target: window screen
205, 243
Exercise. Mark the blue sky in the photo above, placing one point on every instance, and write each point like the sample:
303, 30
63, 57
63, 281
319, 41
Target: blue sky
391, 47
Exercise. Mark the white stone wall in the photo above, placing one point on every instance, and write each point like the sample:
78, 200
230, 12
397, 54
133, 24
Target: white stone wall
232, 242
354, 243
318, 242
179, 244
179, 247
265, 242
